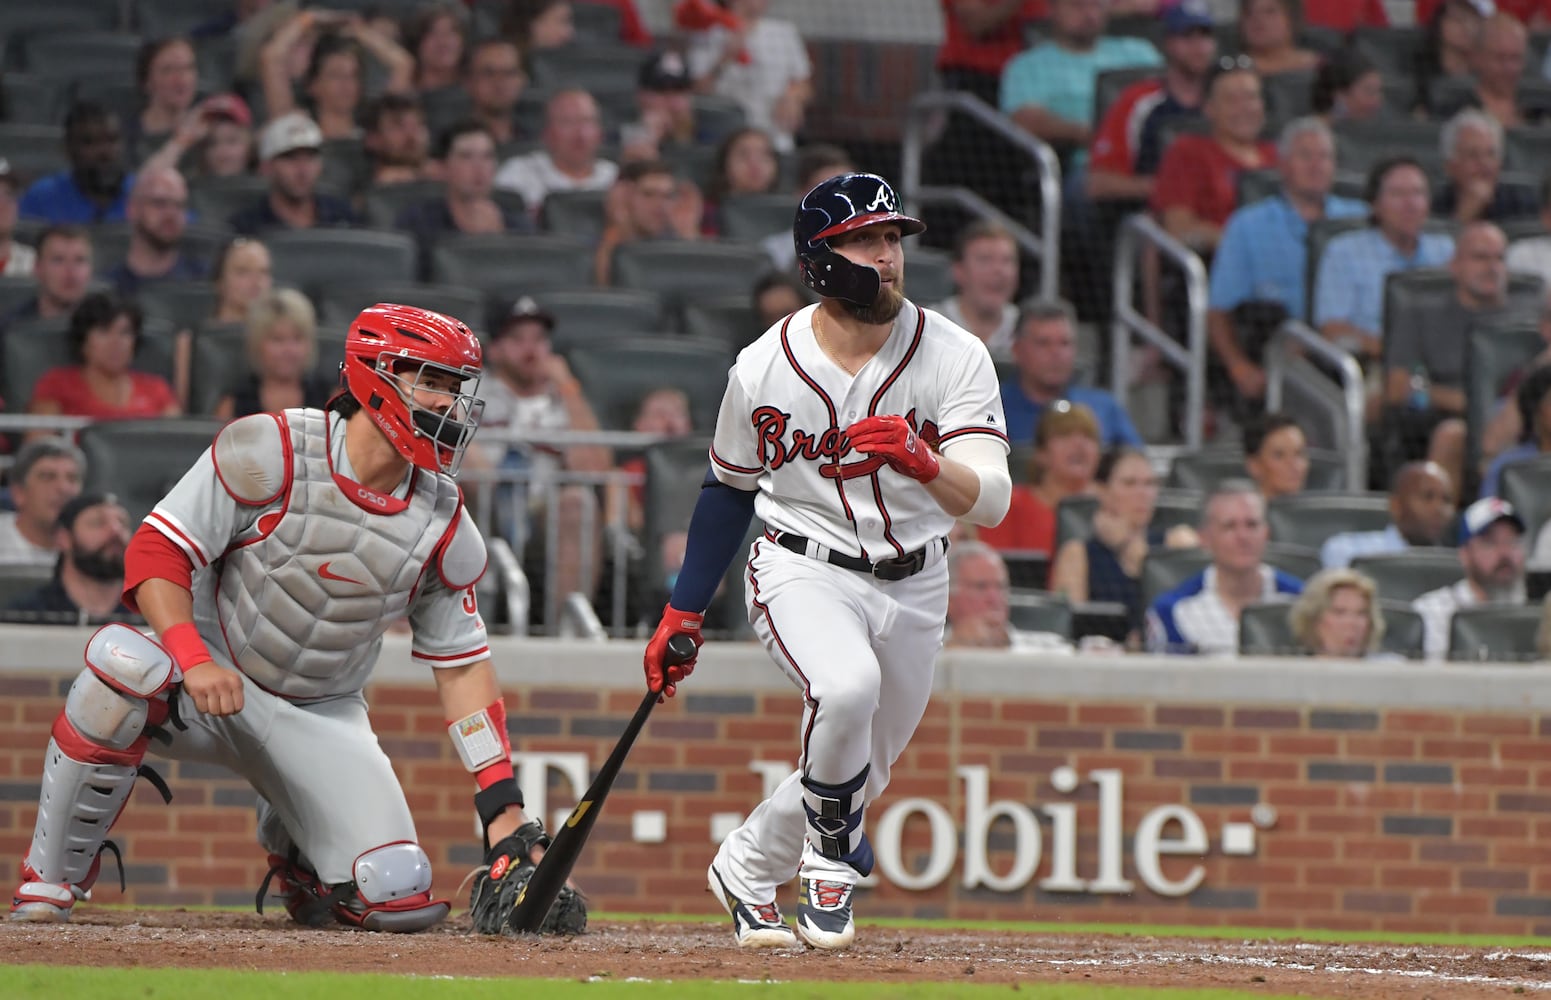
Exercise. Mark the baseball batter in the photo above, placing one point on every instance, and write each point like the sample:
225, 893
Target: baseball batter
270, 573
858, 430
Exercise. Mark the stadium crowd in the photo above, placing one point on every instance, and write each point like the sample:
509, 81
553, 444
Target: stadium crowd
196, 199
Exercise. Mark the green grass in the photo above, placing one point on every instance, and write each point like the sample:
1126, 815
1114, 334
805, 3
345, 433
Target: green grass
26, 982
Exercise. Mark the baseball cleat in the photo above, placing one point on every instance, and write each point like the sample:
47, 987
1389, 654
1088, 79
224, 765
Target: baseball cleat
38, 902
824, 913
755, 925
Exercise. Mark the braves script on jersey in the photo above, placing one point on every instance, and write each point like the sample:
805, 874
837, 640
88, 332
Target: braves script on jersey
782, 422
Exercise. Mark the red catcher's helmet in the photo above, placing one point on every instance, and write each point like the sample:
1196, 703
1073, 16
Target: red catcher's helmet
389, 353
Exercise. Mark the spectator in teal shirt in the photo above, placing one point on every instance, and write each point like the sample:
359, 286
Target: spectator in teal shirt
1048, 89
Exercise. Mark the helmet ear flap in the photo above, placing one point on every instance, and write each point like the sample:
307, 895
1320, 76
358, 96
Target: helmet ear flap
833, 276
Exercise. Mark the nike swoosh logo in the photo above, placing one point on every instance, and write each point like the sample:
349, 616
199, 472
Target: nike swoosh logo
329, 574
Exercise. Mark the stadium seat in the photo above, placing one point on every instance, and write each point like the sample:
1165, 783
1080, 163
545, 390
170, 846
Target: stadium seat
1528, 149
509, 266
577, 215
1502, 633
140, 460
1492, 353
716, 118
384, 202
594, 66
616, 375
1409, 296
33, 150
32, 347
1074, 519
217, 199
110, 243
1392, 49
1265, 631
1523, 229
17, 580
216, 59
219, 367
1308, 519
1297, 560
346, 166
1359, 145
1203, 470
34, 100
83, 55
1408, 574
752, 217
161, 18
1288, 96
186, 305
14, 291
317, 259
1450, 94
342, 303
1256, 185
727, 318
1404, 630
587, 314
597, 22
444, 106
681, 271
928, 274
1527, 485
1176, 507
1027, 569
695, 162
1040, 611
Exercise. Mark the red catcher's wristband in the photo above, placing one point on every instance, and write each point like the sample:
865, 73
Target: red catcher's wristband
187, 648
501, 770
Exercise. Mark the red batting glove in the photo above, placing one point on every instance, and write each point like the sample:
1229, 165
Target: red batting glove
660, 676
892, 439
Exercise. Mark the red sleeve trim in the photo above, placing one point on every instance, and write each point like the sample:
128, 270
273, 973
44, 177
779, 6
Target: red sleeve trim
173, 533
481, 651
734, 468
991, 431
153, 556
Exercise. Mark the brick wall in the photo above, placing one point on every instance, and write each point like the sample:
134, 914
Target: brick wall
1384, 818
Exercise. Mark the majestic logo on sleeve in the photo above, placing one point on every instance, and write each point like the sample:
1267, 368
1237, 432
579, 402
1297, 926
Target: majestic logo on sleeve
828, 447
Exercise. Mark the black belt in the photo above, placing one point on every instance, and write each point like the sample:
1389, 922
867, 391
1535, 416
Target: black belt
897, 568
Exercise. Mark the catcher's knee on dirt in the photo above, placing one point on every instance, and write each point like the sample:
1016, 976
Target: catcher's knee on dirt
499, 884
94, 754
391, 891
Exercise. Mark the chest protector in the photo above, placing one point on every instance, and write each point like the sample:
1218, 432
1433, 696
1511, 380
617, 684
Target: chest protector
302, 597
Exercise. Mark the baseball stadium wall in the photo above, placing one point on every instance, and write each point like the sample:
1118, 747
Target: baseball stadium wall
1292, 793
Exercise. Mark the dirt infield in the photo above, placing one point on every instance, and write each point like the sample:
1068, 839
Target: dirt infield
680, 951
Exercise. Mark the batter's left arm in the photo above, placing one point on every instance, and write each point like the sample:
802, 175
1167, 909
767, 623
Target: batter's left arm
973, 482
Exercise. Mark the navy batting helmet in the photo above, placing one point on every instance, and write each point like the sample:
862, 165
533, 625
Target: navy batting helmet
839, 205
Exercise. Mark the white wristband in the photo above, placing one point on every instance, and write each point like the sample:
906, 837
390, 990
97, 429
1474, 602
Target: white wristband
477, 742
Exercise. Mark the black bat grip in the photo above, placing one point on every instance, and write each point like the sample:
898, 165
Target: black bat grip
681, 649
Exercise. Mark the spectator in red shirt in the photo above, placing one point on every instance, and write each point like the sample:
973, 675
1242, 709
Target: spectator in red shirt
1127, 149
1344, 15
979, 36
1066, 459
1198, 181
1534, 13
104, 334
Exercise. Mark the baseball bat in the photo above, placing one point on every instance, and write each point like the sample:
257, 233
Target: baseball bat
555, 866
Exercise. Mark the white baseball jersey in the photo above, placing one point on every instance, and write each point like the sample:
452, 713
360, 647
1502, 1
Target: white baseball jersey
786, 409
299, 570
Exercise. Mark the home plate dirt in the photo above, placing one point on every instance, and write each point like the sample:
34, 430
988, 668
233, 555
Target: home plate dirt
677, 951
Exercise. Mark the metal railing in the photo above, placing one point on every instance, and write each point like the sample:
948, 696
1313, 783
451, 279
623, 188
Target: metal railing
1289, 344
1044, 246
1140, 233
515, 592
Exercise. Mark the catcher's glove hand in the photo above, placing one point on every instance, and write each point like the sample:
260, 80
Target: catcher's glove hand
499, 882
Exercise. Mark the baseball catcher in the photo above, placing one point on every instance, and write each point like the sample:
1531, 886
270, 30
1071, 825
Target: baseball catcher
270, 573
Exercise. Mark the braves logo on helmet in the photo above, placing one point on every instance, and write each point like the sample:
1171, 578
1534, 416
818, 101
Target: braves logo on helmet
836, 206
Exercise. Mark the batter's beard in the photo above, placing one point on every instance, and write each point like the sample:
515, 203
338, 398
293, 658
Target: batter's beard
884, 308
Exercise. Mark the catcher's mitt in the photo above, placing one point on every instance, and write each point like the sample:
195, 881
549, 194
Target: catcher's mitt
499, 883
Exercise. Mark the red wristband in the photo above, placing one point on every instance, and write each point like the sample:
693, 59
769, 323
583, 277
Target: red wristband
187, 648
501, 770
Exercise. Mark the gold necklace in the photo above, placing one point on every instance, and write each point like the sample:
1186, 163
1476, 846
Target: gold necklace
823, 342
